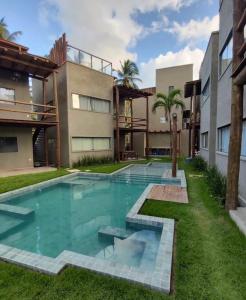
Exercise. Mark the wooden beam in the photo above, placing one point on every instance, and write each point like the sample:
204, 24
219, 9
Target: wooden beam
58, 136
174, 144
242, 21
193, 137
27, 112
27, 103
147, 127
233, 166
117, 148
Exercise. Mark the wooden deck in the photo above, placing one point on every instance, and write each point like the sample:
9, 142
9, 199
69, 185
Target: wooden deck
170, 193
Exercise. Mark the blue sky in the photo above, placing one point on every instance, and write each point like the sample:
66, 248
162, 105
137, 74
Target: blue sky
153, 33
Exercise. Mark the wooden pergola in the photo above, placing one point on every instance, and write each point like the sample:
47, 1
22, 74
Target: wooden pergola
129, 124
16, 58
192, 90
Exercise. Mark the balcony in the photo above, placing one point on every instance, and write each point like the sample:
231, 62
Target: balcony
89, 60
27, 113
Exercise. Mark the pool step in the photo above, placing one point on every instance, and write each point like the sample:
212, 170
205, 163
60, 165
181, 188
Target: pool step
15, 210
110, 233
9, 224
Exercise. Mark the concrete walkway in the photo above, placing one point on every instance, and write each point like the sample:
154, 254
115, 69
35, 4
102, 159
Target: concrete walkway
6, 173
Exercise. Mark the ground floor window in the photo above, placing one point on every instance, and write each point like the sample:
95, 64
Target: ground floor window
223, 139
90, 144
205, 140
243, 147
8, 144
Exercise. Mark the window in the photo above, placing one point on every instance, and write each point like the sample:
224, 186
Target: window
7, 94
223, 139
89, 144
206, 90
170, 88
243, 147
90, 103
226, 56
205, 140
8, 144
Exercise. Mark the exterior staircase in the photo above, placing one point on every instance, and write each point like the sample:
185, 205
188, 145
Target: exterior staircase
38, 147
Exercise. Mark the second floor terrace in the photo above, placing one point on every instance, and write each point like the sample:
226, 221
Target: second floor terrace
17, 68
62, 51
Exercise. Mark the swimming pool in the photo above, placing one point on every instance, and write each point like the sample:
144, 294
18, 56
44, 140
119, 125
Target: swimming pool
88, 217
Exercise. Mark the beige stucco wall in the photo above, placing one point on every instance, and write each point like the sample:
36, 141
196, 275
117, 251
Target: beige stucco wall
21, 86
85, 81
165, 77
24, 157
139, 143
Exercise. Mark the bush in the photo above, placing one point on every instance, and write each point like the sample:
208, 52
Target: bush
199, 164
92, 160
217, 183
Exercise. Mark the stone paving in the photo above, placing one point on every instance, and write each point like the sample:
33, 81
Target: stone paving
7, 173
170, 193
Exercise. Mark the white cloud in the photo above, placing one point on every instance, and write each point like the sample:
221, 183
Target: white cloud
195, 30
169, 59
106, 28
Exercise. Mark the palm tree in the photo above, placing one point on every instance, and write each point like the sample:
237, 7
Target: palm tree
5, 34
127, 74
168, 102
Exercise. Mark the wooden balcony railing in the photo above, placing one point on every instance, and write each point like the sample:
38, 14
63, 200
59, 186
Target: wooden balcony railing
129, 122
37, 112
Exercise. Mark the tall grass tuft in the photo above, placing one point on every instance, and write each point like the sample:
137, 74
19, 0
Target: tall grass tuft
92, 160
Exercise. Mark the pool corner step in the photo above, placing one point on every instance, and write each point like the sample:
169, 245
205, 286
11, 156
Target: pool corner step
15, 210
110, 232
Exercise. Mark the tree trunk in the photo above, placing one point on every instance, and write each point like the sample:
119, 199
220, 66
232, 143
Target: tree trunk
170, 129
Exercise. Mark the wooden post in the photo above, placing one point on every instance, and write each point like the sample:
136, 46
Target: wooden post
174, 146
190, 126
58, 137
233, 167
194, 123
131, 126
46, 154
147, 128
117, 100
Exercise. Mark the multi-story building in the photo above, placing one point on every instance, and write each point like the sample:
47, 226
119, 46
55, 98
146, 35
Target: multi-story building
22, 120
167, 79
216, 77
85, 93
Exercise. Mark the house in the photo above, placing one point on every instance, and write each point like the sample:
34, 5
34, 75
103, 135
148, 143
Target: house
21, 120
167, 79
216, 77
85, 98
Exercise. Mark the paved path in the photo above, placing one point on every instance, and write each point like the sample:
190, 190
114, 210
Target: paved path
6, 173
168, 193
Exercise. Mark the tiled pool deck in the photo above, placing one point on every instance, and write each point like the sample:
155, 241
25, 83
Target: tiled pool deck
159, 278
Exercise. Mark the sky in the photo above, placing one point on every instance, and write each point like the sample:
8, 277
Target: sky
153, 33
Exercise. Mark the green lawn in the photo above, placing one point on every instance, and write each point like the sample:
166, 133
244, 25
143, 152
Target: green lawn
210, 256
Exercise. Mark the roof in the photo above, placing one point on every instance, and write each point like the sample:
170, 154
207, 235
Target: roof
131, 93
15, 57
188, 88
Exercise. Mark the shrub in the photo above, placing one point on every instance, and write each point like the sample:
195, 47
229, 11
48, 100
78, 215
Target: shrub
217, 183
92, 160
199, 163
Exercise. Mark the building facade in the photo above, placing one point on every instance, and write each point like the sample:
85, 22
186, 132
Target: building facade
167, 79
216, 107
20, 118
85, 93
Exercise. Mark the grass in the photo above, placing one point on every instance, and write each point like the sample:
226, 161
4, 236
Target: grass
209, 264
15, 182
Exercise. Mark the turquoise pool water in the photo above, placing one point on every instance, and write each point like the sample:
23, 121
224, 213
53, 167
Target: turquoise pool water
69, 214
87, 215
